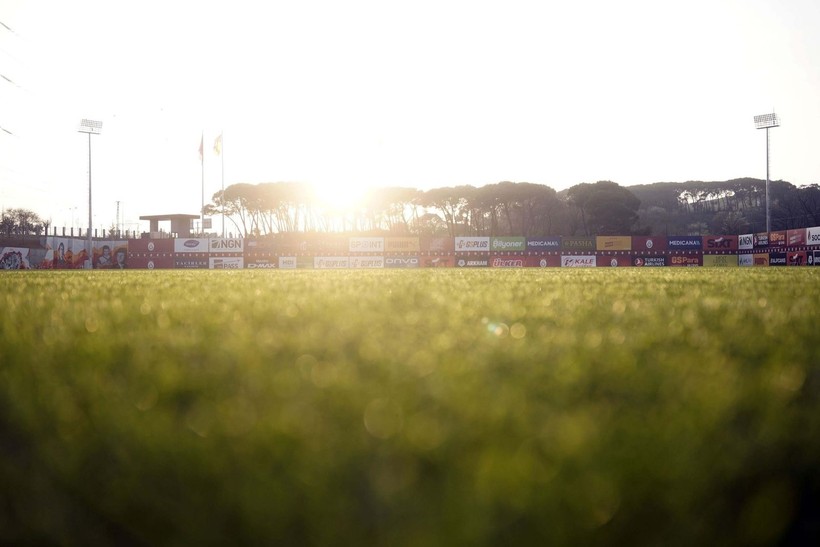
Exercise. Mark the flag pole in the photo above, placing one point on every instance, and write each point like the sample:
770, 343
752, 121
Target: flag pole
222, 155
202, 201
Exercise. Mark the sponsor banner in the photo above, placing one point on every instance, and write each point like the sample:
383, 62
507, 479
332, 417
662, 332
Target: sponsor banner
720, 261
578, 243
191, 245
813, 258
719, 243
649, 261
225, 245
468, 244
614, 261
151, 245
796, 237
402, 262
578, 261
289, 263
478, 262
150, 261
437, 244
684, 243
366, 245
799, 258
813, 235
777, 239
746, 242
14, 258
613, 243
191, 262
437, 262
644, 243
777, 259
507, 261
746, 260
331, 262
267, 245
292, 244
260, 263
761, 259
761, 239
226, 263
546, 261
544, 244
685, 260
508, 244
367, 262
402, 245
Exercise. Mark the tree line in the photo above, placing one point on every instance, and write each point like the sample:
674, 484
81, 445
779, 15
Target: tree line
505, 209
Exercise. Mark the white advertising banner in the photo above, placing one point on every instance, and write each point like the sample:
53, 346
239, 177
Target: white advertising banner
366, 245
331, 262
287, 262
580, 261
226, 263
746, 260
367, 262
191, 245
813, 236
223, 245
746, 242
468, 244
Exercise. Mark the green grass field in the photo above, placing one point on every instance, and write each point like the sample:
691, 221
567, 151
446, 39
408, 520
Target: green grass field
483, 407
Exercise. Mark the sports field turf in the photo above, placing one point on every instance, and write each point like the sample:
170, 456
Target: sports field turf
418, 407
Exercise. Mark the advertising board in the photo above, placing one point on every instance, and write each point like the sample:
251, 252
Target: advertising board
259, 262
720, 261
472, 244
367, 262
544, 244
684, 243
796, 237
437, 244
331, 262
578, 261
190, 261
649, 261
644, 243
613, 243
291, 244
777, 239
719, 243
289, 263
151, 245
761, 240
366, 245
191, 245
746, 260
614, 261
508, 244
578, 243
402, 262
402, 245
225, 245
544, 261
813, 235
477, 262
813, 258
226, 263
150, 261
746, 242
437, 262
507, 262
798, 258
761, 259
685, 260
266, 245
777, 259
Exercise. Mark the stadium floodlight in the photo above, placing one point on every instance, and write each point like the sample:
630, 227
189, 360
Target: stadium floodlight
91, 127
767, 121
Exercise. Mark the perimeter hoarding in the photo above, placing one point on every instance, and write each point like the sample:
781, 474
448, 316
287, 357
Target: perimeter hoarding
648, 244
258, 262
402, 245
813, 258
366, 245
552, 260
684, 243
761, 240
719, 243
796, 238
720, 261
745, 260
578, 261
151, 261
437, 261
649, 261
686, 259
367, 262
191, 261
151, 245
813, 235
799, 258
226, 263
620, 260
513, 261
191, 245
290, 263
613, 243
437, 244
226, 246
513, 244
473, 262
551, 244
402, 262
578, 243
746, 242
761, 260
472, 244
331, 262
777, 239
777, 259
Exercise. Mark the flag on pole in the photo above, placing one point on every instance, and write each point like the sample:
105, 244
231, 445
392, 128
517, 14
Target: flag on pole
201, 143
218, 145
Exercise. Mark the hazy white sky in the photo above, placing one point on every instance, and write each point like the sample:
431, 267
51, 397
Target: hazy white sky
346, 94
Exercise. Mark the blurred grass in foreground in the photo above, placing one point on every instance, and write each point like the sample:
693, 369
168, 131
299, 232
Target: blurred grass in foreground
483, 407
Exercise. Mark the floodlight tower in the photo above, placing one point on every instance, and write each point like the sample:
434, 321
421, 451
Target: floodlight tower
767, 121
92, 128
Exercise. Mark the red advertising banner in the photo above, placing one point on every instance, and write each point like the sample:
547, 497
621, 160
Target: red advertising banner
761, 259
614, 260
799, 258
150, 261
513, 261
719, 243
649, 244
543, 261
796, 237
437, 262
777, 239
649, 261
437, 244
191, 261
150, 245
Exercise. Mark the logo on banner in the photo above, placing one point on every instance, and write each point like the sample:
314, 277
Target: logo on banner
745, 241
150, 246
191, 243
472, 243
150, 264
402, 262
718, 243
578, 261
508, 262
226, 245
